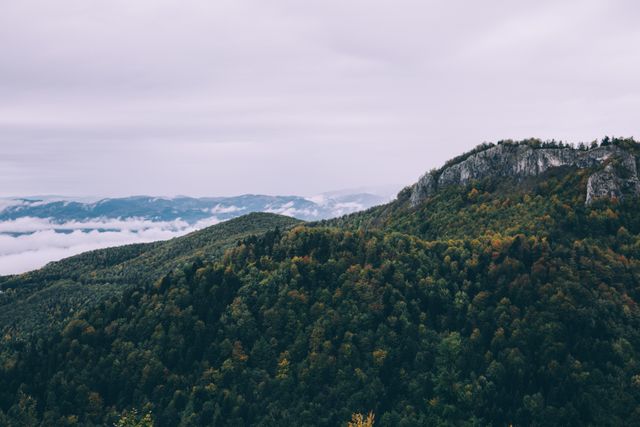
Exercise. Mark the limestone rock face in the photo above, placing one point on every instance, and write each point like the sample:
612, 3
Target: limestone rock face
521, 161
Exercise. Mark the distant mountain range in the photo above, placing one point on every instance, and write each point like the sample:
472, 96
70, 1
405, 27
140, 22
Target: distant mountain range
37, 230
188, 209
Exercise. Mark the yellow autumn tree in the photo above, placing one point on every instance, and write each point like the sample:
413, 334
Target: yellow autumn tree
358, 420
132, 419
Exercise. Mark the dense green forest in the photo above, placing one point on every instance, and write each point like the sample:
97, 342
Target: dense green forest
496, 303
31, 302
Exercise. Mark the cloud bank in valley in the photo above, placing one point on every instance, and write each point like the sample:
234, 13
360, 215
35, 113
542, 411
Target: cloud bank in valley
29, 243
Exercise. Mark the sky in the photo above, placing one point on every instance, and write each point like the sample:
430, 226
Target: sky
201, 97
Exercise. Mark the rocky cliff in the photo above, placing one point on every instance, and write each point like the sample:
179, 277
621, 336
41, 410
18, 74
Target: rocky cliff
615, 169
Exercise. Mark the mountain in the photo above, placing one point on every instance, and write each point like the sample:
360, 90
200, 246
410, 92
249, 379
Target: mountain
617, 179
188, 209
503, 297
32, 300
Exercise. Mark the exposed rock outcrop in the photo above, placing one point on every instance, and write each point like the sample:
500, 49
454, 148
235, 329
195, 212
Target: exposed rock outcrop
616, 174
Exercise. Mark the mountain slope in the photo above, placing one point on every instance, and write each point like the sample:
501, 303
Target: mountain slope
543, 203
32, 300
492, 302
618, 175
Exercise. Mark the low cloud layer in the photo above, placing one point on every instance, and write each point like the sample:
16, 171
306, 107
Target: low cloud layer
29, 243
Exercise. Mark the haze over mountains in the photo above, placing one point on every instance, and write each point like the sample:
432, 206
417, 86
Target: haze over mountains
36, 230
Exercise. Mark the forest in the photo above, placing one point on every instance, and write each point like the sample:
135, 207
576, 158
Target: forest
496, 303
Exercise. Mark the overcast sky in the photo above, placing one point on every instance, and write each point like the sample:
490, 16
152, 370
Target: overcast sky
164, 97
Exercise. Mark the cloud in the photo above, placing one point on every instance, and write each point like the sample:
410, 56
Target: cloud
33, 242
289, 209
219, 208
347, 207
7, 203
31, 224
246, 96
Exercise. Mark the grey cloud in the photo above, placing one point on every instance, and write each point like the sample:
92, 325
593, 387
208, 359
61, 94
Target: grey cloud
227, 97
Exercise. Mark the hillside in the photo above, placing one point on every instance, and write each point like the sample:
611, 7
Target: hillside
504, 299
507, 198
32, 300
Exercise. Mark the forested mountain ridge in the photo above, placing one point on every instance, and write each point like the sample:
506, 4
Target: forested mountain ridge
495, 302
32, 300
544, 200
